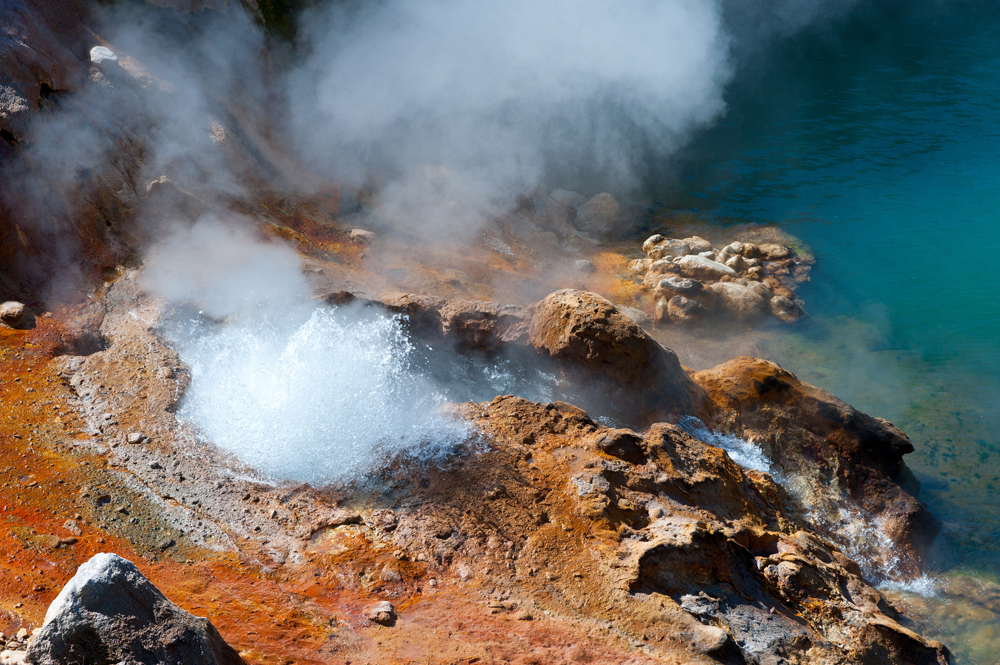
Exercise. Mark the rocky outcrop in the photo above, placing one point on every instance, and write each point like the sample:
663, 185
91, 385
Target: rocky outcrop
841, 461
587, 330
110, 613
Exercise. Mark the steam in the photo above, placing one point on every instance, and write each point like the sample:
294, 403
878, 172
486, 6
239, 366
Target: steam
293, 390
505, 93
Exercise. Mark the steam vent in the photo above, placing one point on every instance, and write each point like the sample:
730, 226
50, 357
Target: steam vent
454, 331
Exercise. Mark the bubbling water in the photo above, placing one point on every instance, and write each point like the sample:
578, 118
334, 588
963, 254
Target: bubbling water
326, 399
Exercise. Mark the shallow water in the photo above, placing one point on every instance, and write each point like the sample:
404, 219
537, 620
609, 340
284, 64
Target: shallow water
878, 144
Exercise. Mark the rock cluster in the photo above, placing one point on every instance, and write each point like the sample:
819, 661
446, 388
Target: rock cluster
692, 281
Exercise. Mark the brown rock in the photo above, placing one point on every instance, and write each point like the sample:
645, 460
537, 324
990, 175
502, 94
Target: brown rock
684, 311
15, 315
589, 331
382, 613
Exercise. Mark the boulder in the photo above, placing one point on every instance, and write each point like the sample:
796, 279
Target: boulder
775, 252
738, 263
741, 302
666, 247
568, 199
15, 315
636, 314
683, 310
598, 216
698, 245
678, 285
701, 267
110, 613
591, 332
787, 310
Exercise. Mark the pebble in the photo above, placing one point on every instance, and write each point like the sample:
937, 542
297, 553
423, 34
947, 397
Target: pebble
136, 437
382, 613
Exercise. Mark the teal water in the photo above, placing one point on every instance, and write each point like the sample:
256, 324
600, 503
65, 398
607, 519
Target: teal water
877, 142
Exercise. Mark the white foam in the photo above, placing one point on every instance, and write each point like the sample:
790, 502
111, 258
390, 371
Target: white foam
322, 401
746, 454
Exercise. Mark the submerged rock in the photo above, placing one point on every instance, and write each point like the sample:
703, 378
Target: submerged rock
744, 303
110, 613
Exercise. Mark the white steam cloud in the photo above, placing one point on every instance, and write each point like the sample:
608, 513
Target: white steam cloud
506, 93
294, 390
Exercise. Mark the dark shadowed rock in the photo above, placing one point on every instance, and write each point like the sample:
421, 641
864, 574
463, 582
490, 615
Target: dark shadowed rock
110, 613
683, 310
598, 216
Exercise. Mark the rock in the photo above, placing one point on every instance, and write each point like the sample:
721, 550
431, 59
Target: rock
636, 315
785, 309
499, 246
652, 241
136, 437
738, 263
658, 271
698, 245
679, 285
665, 247
598, 216
703, 268
683, 310
639, 266
588, 330
775, 252
12, 657
361, 235
523, 615
73, 527
165, 544
568, 199
101, 55
16, 315
585, 266
742, 303
662, 313
110, 613
756, 273
382, 613
751, 251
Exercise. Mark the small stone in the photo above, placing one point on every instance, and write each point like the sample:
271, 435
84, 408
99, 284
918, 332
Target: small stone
639, 266
523, 615
382, 613
136, 437
738, 263
683, 310
698, 245
165, 544
73, 527
22, 634
678, 286
585, 266
666, 247
432, 582
101, 55
361, 235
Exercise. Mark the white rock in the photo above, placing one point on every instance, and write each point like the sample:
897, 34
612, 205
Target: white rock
703, 268
102, 54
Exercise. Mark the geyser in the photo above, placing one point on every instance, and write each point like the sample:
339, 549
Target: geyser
292, 389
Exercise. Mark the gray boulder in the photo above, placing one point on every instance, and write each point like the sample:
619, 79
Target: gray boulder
666, 247
701, 267
110, 613
598, 216
679, 285
683, 310
698, 244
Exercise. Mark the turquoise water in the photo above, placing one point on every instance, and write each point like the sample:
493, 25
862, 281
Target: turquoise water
877, 143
